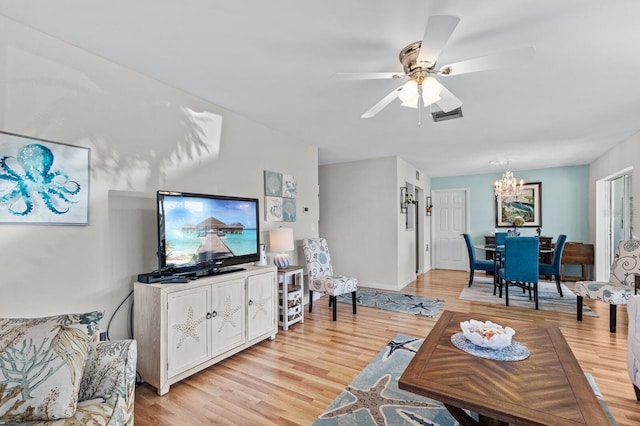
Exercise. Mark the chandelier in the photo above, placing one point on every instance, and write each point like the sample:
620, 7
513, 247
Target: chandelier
508, 188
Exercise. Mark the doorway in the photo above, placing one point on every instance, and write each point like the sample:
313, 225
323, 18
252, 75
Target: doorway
449, 221
613, 201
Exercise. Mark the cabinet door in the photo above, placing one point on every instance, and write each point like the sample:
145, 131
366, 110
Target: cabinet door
261, 305
188, 329
227, 311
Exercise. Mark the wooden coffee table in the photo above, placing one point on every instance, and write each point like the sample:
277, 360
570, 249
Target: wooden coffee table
548, 388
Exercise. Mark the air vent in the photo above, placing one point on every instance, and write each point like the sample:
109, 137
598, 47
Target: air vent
441, 115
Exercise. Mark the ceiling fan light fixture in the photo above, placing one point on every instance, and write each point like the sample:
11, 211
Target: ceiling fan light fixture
409, 94
410, 91
431, 88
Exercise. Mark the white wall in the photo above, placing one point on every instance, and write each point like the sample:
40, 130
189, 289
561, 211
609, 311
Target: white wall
361, 220
143, 136
624, 155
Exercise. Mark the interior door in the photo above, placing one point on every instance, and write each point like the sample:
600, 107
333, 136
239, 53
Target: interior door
449, 223
619, 225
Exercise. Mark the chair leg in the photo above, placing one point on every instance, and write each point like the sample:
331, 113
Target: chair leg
612, 318
332, 299
535, 294
579, 308
471, 276
558, 285
506, 292
310, 300
353, 301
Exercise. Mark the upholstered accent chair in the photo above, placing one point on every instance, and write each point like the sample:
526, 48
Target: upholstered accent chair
322, 278
520, 266
554, 267
621, 285
476, 264
633, 342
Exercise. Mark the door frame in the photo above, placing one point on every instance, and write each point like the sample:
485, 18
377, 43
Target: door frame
467, 219
603, 220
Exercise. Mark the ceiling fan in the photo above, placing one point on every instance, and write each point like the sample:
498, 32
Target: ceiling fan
419, 62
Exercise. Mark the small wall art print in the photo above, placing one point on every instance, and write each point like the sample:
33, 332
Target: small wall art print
288, 209
273, 209
43, 182
289, 186
272, 184
528, 206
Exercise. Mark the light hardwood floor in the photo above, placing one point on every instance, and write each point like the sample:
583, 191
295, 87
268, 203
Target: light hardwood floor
291, 380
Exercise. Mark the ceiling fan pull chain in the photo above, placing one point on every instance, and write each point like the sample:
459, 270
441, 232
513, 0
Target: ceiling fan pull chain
420, 102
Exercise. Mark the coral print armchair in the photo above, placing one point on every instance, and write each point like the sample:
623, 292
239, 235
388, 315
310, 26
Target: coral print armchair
621, 285
52, 373
321, 276
633, 342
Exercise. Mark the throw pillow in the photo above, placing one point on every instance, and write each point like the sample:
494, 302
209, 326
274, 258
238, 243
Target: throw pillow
41, 364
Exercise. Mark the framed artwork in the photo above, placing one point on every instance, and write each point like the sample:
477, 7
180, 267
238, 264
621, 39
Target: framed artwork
273, 209
43, 182
528, 206
280, 192
289, 186
288, 209
272, 184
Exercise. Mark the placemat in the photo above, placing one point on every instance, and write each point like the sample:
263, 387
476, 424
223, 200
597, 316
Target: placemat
516, 351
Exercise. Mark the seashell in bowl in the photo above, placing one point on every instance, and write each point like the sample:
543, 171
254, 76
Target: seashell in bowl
487, 334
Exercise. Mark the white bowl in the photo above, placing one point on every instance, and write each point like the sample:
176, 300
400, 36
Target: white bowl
487, 334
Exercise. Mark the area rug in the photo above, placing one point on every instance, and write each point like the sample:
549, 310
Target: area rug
373, 397
548, 297
396, 302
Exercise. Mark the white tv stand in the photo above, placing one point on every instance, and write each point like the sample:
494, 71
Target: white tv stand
184, 328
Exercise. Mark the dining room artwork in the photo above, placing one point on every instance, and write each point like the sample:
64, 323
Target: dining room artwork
280, 192
528, 206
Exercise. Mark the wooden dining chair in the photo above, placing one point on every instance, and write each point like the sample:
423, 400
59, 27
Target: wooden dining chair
520, 266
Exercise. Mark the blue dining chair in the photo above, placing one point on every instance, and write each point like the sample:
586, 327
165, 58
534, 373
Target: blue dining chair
475, 264
520, 266
554, 267
499, 238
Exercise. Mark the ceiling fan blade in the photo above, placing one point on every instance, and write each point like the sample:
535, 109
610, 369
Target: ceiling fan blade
368, 75
500, 60
448, 101
382, 104
436, 35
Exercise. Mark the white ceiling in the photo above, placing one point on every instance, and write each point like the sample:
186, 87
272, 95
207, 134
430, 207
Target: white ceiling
273, 62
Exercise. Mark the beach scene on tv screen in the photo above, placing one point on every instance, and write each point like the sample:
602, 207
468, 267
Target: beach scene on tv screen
198, 230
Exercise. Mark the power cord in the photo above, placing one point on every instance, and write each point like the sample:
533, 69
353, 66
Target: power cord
114, 312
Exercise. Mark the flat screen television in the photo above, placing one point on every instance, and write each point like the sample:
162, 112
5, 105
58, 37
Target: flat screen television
200, 234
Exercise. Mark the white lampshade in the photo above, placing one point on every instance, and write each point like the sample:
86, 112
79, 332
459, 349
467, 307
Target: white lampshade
409, 94
431, 90
281, 240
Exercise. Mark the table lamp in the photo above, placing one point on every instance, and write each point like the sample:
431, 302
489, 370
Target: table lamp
281, 240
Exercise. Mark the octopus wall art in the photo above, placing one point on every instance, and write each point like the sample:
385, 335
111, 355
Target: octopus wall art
40, 185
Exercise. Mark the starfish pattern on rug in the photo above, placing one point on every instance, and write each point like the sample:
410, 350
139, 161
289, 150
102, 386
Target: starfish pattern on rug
188, 328
426, 308
397, 302
394, 346
373, 401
